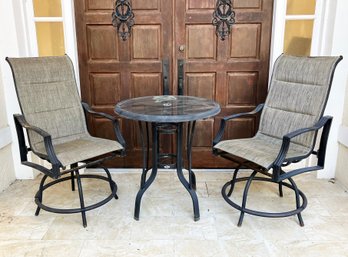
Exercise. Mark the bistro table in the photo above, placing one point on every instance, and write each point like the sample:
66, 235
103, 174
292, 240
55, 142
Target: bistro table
166, 114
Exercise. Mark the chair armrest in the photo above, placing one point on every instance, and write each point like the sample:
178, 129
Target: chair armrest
114, 121
325, 123
233, 116
21, 123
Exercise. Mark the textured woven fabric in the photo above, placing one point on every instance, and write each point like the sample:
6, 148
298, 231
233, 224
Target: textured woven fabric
261, 149
49, 99
81, 149
297, 96
296, 99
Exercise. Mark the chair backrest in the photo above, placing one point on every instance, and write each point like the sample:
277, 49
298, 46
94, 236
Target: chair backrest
48, 97
297, 95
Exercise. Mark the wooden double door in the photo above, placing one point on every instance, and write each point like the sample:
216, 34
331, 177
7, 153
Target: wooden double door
233, 72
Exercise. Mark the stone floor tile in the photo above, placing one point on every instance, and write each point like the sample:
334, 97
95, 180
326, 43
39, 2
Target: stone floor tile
24, 228
251, 248
170, 228
315, 248
98, 228
199, 248
166, 226
118, 248
35, 248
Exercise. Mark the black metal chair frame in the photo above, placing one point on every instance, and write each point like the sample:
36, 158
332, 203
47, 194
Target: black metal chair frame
58, 171
278, 175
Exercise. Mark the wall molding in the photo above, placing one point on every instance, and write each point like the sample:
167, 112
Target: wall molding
5, 137
343, 135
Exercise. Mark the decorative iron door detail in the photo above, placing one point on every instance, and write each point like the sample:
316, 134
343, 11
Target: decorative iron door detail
123, 18
223, 18
181, 74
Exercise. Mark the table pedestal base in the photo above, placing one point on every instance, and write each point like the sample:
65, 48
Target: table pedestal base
166, 128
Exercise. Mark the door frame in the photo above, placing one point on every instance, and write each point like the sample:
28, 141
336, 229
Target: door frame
319, 28
68, 20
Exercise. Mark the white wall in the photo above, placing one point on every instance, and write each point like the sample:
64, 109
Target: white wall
12, 43
335, 106
342, 160
7, 173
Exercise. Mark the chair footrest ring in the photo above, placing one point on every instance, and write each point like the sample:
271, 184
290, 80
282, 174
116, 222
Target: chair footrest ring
76, 210
260, 213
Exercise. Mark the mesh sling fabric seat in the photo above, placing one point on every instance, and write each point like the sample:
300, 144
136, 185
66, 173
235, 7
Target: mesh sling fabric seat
290, 120
54, 118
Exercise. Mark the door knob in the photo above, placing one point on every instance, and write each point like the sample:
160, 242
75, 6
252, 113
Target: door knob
182, 48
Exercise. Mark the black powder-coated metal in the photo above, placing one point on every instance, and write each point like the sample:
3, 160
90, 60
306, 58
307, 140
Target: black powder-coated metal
167, 108
56, 173
242, 208
78, 177
167, 115
181, 77
156, 163
165, 75
190, 132
277, 175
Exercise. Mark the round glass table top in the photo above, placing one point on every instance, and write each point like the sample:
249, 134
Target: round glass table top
167, 108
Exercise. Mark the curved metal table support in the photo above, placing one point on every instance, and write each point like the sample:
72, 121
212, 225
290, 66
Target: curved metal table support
190, 185
167, 114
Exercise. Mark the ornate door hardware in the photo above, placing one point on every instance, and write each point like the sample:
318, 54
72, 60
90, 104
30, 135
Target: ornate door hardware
165, 72
181, 77
223, 18
123, 18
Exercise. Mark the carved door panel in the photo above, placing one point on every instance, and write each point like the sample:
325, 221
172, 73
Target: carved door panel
233, 72
112, 69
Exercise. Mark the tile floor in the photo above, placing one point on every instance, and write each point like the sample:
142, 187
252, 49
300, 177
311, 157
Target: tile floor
166, 226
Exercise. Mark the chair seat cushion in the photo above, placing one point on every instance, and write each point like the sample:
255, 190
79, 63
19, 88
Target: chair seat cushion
81, 149
261, 149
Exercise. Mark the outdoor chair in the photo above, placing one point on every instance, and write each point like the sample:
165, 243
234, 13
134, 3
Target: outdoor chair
55, 121
289, 123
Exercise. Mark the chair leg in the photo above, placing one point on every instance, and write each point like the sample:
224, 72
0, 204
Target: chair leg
39, 197
72, 181
112, 184
82, 203
298, 203
73, 166
280, 187
245, 196
233, 182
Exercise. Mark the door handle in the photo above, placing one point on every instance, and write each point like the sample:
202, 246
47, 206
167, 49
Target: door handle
181, 76
165, 74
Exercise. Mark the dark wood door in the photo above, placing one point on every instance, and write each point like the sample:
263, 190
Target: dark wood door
112, 69
233, 72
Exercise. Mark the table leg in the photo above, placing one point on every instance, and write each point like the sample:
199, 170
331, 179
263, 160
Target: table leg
190, 133
145, 149
145, 184
181, 176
